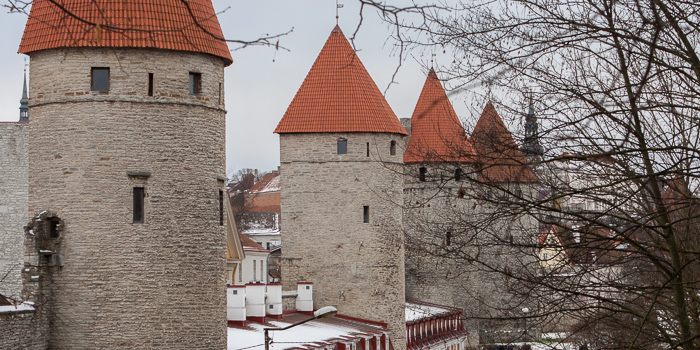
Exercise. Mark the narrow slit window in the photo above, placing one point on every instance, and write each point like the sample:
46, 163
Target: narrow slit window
365, 214
100, 79
138, 205
421, 174
448, 238
342, 146
367, 149
392, 148
458, 174
195, 83
53, 228
150, 84
219, 93
221, 207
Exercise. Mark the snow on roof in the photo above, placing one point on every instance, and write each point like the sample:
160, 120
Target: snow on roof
255, 231
321, 331
416, 310
26, 306
269, 183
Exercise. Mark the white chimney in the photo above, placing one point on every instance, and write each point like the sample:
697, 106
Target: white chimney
255, 302
305, 296
274, 299
235, 304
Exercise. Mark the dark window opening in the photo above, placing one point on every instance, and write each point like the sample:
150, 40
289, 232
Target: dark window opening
221, 207
54, 230
365, 213
489, 194
219, 93
138, 205
100, 79
421, 174
458, 174
461, 193
150, 84
518, 193
392, 148
342, 146
195, 83
367, 149
448, 238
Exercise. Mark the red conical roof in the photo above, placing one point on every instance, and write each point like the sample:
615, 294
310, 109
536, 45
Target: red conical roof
497, 155
437, 134
160, 24
338, 95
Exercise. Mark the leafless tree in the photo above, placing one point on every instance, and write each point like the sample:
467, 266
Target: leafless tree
615, 86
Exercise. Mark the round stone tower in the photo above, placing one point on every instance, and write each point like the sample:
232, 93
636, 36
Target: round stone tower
342, 191
126, 175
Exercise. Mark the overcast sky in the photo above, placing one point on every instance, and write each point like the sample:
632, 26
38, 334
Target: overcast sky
262, 81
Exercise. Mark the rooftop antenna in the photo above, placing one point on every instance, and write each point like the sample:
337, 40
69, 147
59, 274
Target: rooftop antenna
337, 6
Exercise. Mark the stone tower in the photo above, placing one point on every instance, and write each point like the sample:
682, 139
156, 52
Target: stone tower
127, 246
342, 191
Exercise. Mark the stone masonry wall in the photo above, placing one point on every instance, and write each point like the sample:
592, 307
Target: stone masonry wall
22, 330
13, 205
456, 271
355, 266
120, 284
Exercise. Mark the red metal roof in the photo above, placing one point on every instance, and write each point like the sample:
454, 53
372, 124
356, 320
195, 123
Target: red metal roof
338, 95
437, 134
161, 24
498, 157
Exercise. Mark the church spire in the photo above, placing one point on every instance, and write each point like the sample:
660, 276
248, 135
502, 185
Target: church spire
531, 146
24, 102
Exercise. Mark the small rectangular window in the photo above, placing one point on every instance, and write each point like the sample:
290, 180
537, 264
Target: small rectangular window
367, 149
150, 84
448, 238
219, 93
421, 174
365, 213
100, 79
235, 292
458, 174
138, 205
489, 194
195, 83
53, 228
221, 207
392, 148
342, 146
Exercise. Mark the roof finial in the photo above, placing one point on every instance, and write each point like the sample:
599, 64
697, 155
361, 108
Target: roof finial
337, 6
24, 102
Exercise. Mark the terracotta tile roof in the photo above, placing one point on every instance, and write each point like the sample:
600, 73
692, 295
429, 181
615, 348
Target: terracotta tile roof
162, 24
338, 95
269, 183
437, 134
250, 245
498, 157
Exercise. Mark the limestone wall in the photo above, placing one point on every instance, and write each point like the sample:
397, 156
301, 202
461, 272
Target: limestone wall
22, 330
355, 266
120, 284
13, 205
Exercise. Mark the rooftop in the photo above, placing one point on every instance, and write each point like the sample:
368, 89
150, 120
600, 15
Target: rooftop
164, 24
338, 95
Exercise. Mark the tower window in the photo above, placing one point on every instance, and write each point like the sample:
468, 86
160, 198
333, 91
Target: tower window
100, 79
221, 207
458, 174
421, 174
150, 84
392, 148
489, 194
367, 149
195, 83
342, 146
365, 214
448, 238
138, 205
54, 231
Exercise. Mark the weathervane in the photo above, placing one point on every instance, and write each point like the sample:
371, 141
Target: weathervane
337, 6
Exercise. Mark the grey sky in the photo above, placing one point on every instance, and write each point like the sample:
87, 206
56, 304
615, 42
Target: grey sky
262, 81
